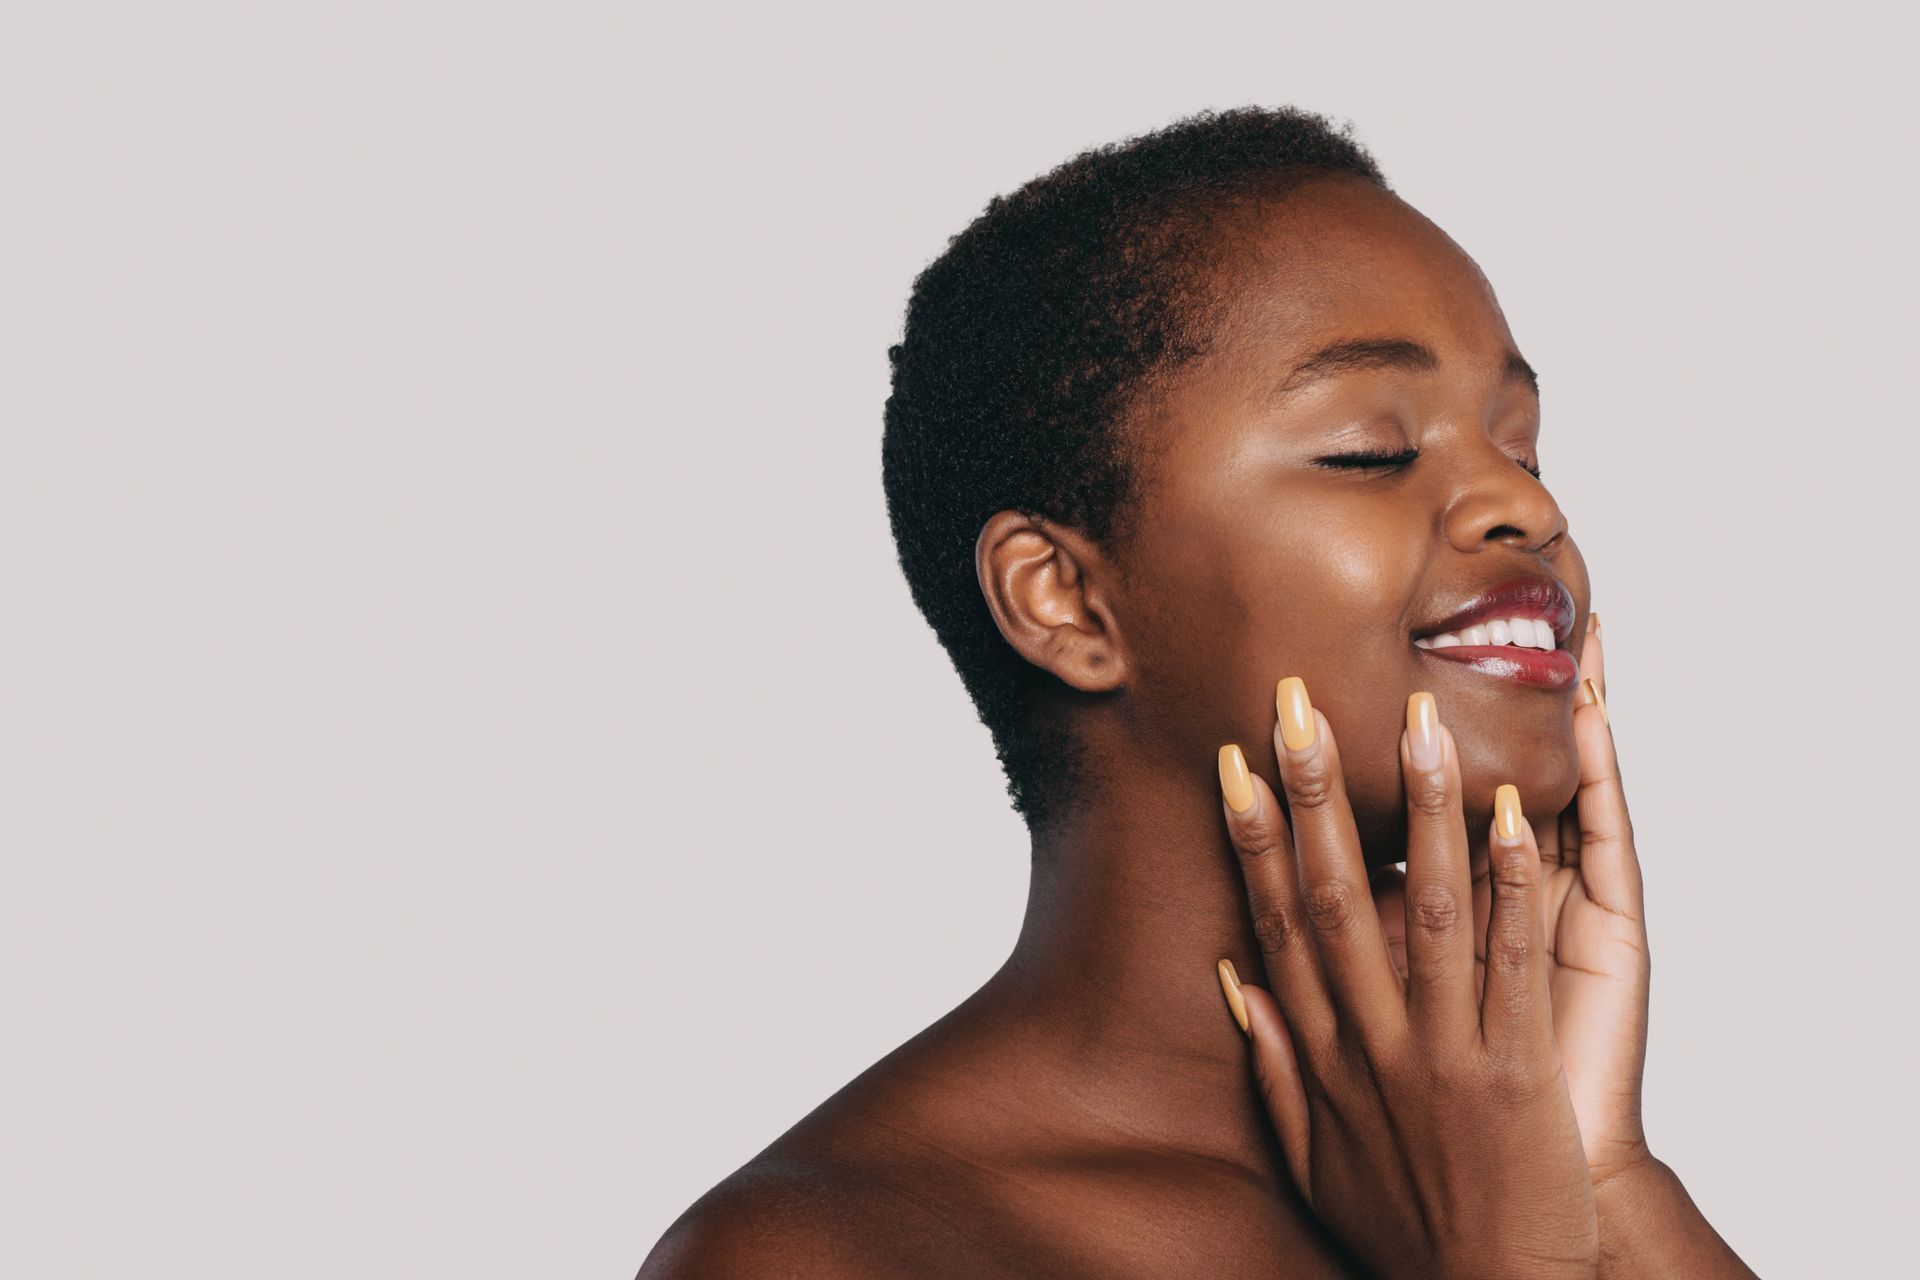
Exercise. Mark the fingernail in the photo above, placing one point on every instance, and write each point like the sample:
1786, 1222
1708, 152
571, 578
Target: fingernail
1230, 984
1296, 713
1423, 731
1590, 693
1506, 811
1235, 785
1593, 621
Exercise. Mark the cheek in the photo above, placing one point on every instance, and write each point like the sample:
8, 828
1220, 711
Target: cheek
1231, 608
1338, 587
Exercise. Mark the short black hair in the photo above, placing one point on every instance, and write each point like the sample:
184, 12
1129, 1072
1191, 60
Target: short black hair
1026, 345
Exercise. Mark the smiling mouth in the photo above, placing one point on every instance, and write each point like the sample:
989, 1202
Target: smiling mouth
1522, 631
1514, 630
1507, 650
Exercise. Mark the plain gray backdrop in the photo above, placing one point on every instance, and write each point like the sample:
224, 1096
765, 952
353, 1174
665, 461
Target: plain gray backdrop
474, 773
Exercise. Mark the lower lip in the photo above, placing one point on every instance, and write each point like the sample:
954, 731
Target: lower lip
1541, 668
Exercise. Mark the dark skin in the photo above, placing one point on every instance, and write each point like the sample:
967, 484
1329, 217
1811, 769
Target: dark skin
1094, 1109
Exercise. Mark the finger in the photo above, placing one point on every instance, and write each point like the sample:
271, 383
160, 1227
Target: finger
1514, 1009
1276, 1068
1593, 658
1258, 832
1333, 874
1439, 928
1609, 861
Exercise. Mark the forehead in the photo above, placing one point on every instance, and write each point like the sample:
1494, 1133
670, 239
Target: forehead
1341, 259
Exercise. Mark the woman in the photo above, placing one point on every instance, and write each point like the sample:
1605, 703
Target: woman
1213, 465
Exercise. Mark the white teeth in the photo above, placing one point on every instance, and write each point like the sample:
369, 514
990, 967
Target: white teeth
1526, 633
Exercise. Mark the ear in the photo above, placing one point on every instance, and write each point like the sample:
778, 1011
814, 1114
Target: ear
1046, 586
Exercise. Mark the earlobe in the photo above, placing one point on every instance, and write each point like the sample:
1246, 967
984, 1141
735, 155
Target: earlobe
1046, 588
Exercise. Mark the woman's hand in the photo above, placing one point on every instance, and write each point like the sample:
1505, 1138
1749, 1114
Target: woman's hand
1426, 1123
1649, 1225
1598, 958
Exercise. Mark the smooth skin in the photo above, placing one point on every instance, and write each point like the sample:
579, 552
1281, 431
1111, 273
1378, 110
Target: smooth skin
1094, 1110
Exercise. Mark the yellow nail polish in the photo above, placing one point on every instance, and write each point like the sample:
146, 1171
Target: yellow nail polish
1506, 811
1423, 731
1296, 713
1230, 984
1592, 692
1235, 784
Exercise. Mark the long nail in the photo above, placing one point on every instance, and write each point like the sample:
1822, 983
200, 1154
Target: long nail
1590, 695
1296, 713
1423, 731
1593, 621
1230, 984
1235, 784
1506, 811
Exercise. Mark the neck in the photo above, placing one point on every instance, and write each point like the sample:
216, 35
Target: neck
1133, 903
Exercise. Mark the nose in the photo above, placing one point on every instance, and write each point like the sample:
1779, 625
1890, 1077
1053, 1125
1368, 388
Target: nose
1500, 501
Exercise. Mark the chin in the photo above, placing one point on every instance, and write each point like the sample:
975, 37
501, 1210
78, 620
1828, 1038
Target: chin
1547, 774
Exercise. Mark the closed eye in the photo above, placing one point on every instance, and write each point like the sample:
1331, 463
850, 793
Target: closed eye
1363, 461
1378, 458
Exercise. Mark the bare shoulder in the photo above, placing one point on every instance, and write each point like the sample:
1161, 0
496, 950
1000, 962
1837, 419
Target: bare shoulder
776, 1217
894, 1175
846, 1208
942, 1213
955, 1159
888, 1177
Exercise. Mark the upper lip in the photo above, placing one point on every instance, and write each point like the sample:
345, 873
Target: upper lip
1525, 596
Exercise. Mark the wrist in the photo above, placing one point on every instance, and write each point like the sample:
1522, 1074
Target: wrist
1650, 1226
1633, 1203
1636, 1184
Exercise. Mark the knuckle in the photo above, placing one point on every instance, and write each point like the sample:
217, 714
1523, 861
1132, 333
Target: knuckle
1257, 836
1274, 929
1513, 869
1331, 906
1500, 1067
1431, 795
1433, 908
1450, 1074
1510, 952
1310, 783
1513, 1071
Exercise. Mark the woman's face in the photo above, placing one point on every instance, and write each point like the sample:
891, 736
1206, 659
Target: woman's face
1254, 560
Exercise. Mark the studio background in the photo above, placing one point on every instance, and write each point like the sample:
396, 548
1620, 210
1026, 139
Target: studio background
474, 773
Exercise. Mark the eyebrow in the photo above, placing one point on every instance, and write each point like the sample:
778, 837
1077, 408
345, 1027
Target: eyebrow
1386, 353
